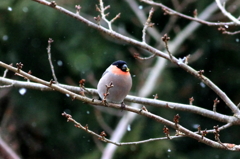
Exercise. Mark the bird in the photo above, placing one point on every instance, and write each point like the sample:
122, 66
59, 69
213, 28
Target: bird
115, 83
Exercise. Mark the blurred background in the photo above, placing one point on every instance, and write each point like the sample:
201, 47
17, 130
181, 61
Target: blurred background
31, 121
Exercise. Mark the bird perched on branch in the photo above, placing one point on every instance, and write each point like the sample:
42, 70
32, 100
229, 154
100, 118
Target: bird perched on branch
115, 83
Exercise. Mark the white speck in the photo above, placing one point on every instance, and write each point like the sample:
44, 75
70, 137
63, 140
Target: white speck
60, 63
88, 112
134, 76
9, 9
237, 40
169, 150
22, 91
210, 71
140, 7
226, 26
180, 61
129, 128
67, 95
25, 9
34, 124
195, 126
202, 85
5, 37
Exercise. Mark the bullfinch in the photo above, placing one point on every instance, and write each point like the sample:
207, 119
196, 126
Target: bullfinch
119, 76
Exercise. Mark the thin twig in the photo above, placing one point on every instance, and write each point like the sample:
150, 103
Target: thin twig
231, 33
5, 72
165, 39
137, 56
173, 12
153, 32
7, 86
102, 10
230, 16
50, 59
78, 7
104, 139
220, 128
147, 24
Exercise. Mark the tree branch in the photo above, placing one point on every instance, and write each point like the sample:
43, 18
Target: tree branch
230, 120
133, 99
173, 12
230, 16
142, 45
118, 106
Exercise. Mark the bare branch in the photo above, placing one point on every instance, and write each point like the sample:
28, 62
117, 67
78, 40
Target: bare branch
190, 70
102, 10
134, 99
215, 102
173, 12
128, 108
165, 39
230, 16
183, 65
231, 33
137, 56
6, 152
104, 139
5, 72
50, 59
147, 24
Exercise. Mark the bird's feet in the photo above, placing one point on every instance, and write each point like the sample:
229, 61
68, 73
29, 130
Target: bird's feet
105, 102
123, 105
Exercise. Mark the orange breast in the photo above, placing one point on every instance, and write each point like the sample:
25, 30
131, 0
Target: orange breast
118, 71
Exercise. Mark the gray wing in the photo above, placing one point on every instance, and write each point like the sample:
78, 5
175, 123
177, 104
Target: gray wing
107, 70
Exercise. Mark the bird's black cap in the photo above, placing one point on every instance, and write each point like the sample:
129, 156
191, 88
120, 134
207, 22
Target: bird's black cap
122, 65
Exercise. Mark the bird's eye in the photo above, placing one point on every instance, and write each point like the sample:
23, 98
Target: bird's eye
124, 67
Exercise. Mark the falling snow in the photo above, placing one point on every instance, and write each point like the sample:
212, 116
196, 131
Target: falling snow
10, 9
129, 128
60, 63
202, 85
25, 9
5, 37
22, 91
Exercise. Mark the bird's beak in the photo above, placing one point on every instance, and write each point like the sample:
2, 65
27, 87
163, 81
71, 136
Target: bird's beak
124, 67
